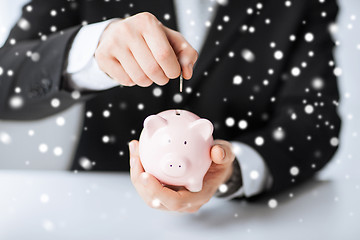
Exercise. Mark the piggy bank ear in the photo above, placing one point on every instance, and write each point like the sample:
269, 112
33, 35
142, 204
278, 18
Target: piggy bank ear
153, 123
203, 127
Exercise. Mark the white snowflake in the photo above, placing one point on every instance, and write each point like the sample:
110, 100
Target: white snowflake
278, 134
16, 102
259, 141
294, 171
309, 109
272, 203
242, 124
278, 55
223, 188
295, 71
29, 8
309, 37
156, 202
85, 163
105, 139
177, 98
53, 13
58, 151
55, 103
5, 138
248, 55
229, 121
167, 16
237, 80
60, 121
17, 90
140, 106
334, 141
317, 83
157, 92
23, 24
337, 71
43, 148
106, 113
254, 174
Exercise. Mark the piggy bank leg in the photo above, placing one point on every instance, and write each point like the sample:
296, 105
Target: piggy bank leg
194, 185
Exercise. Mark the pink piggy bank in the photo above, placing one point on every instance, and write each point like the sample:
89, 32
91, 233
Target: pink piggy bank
174, 147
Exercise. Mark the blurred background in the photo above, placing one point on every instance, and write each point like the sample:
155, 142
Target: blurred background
45, 144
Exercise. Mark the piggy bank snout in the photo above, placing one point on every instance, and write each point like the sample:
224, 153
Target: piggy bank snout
174, 166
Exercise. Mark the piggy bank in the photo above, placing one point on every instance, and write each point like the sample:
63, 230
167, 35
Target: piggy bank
174, 147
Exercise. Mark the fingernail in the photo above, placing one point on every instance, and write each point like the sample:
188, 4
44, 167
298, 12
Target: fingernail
191, 68
131, 146
223, 153
132, 162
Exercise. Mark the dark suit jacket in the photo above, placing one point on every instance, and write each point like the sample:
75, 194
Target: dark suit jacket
269, 96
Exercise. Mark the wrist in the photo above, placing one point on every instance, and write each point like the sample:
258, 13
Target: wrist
233, 182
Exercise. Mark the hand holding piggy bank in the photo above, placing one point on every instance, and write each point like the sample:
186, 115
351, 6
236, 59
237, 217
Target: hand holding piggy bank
174, 147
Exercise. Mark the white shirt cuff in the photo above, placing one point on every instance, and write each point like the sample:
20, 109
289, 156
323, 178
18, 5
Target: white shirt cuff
255, 174
82, 68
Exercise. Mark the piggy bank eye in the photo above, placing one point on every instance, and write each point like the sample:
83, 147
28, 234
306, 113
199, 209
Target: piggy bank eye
169, 140
185, 142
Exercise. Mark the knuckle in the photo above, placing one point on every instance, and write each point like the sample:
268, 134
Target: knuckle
153, 69
125, 29
164, 54
99, 55
146, 16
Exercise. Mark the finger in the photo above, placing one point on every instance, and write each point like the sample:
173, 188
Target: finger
191, 199
162, 51
190, 209
147, 62
218, 154
228, 153
155, 194
186, 54
132, 68
136, 170
148, 187
161, 194
144, 183
115, 71
134, 148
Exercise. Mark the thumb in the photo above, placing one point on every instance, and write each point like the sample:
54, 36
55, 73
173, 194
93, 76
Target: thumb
133, 151
221, 152
186, 54
218, 154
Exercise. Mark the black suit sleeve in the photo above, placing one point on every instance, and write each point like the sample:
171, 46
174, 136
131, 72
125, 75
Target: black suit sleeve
35, 54
305, 107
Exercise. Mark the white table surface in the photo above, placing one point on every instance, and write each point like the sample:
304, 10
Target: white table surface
63, 205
